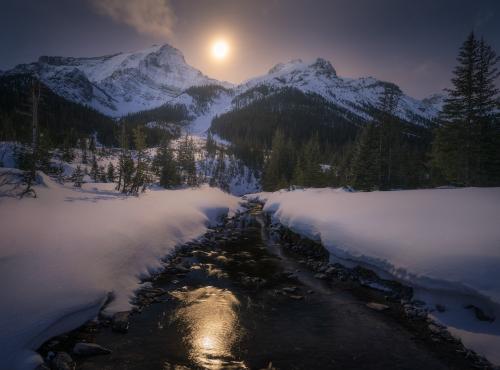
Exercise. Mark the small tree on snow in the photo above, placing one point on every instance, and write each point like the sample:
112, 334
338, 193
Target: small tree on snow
77, 177
102, 174
94, 170
110, 172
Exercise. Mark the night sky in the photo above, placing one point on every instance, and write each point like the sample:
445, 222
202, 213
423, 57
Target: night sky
412, 43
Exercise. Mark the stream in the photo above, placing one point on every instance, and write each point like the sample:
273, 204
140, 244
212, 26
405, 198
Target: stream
236, 299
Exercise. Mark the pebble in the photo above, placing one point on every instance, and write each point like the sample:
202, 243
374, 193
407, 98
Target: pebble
89, 349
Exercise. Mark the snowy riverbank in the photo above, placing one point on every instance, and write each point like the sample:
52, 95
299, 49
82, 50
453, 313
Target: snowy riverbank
62, 253
444, 242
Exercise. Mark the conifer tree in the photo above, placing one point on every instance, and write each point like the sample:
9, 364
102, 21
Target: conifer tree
125, 164
307, 169
465, 145
366, 161
77, 177
486, 141
67, 151
210, 145
83, 149
389, 133
141, 176
165, 165
92, 146
187, 161
110, 172
102, 174
278, 170
94, 170
60, 173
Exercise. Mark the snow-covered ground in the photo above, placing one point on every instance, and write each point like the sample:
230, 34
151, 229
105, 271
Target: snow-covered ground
444, 242
62, 253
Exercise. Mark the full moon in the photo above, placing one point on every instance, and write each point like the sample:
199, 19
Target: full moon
220, 49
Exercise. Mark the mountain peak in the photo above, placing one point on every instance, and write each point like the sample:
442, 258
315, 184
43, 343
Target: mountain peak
282, 66
323, 66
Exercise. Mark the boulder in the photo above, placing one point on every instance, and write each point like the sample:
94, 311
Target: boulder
120, 322
62, 361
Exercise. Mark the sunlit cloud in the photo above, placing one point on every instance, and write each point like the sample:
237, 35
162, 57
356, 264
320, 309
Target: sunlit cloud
151, 17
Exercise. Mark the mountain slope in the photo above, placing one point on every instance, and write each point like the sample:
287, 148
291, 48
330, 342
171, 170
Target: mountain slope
357, 98
125, 83
121, 83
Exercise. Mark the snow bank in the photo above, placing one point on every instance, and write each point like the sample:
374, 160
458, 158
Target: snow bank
446, 240
62, 253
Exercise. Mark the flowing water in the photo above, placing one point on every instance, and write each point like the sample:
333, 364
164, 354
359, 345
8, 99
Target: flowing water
240, 307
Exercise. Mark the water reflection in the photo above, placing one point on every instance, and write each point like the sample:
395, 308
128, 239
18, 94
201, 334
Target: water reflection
212, 328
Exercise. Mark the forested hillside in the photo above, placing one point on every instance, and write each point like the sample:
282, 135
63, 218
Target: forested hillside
58, 118
300, 138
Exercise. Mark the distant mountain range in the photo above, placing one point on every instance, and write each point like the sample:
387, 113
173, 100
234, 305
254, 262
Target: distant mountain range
124, 83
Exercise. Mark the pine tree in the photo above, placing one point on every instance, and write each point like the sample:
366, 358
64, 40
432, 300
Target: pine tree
365, 166
102, 174
464, 149
141, 176
60, 173
307, 169
67, 151
110, 172
187, 161
486, 139
83, 149
210, 145
389, 133
94, 170
279, 167
125, 164
77, 177
92, 146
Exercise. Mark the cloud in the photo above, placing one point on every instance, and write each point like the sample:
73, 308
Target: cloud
151, 17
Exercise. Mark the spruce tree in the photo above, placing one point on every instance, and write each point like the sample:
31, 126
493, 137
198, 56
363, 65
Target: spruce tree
465, 145
187, 161
83, 149
125, 164
102, 174
365, 166
486, 139
141, 176
389, 133
110, 172
210, 145
165, 165
67, 151
94, 170
279, 167
77, 177
92, 146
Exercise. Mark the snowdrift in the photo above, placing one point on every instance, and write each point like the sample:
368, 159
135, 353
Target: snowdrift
442, 240
62, 253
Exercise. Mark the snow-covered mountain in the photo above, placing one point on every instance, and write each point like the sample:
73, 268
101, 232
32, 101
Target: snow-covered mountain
358, 97
130, 82
121, 83
355, 95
